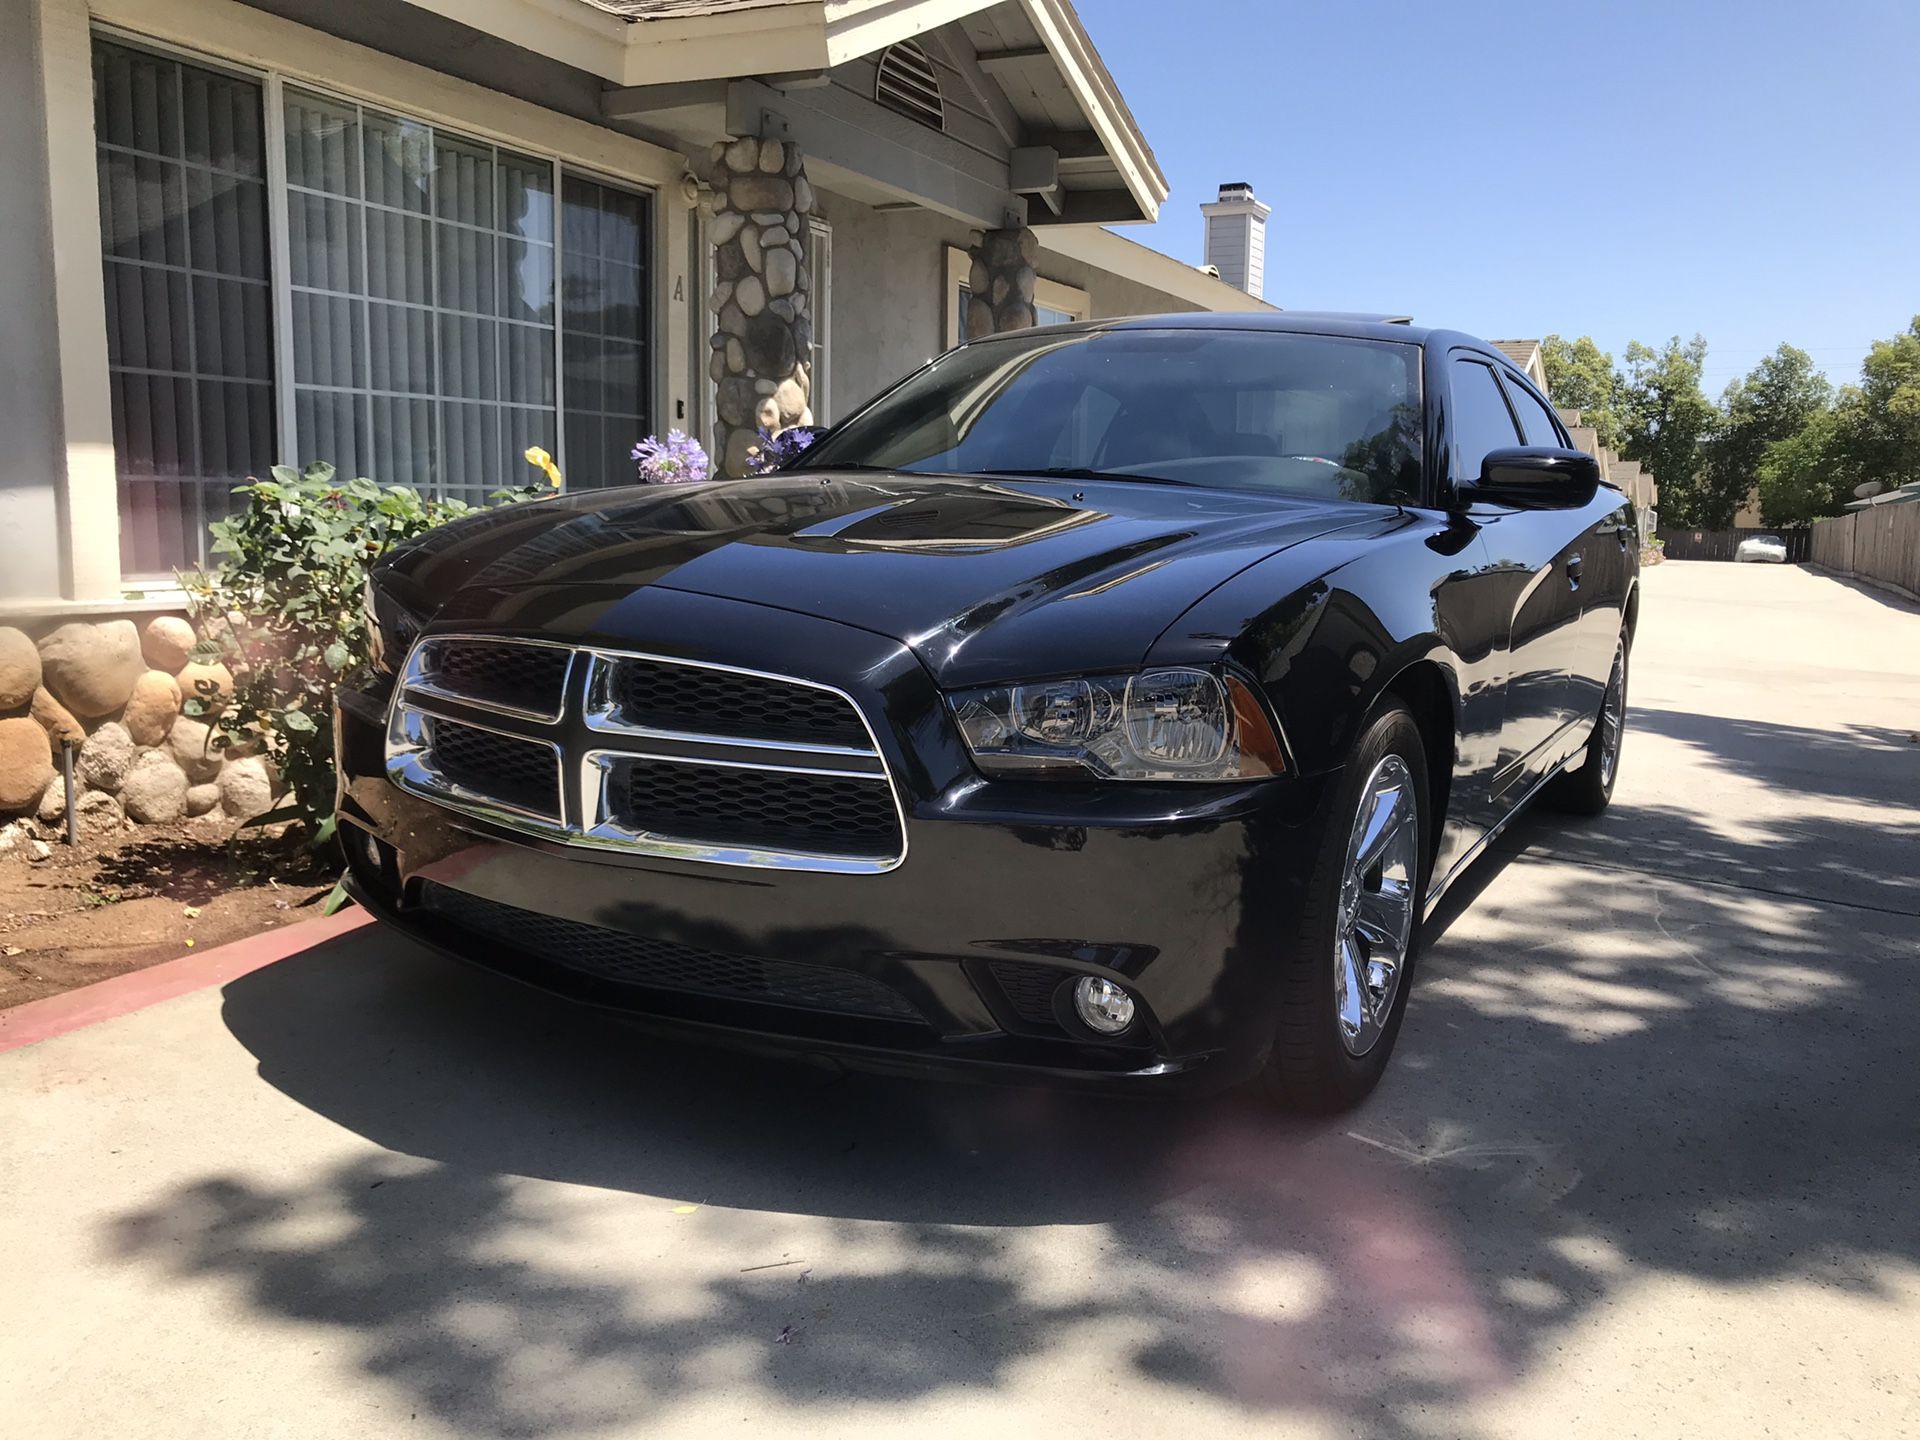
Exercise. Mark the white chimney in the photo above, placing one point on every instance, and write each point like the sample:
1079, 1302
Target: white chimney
1237, 238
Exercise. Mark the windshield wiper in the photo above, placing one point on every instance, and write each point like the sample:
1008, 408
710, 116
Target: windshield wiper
1082, 472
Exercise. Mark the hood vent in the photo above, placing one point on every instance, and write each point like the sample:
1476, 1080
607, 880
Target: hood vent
908, 83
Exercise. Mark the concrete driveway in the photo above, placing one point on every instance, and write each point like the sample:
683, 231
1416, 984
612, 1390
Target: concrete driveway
1645, 1164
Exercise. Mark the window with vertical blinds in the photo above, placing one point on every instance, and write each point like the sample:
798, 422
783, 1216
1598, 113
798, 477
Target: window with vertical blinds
438, 313
605, 243
421, 266
183, 219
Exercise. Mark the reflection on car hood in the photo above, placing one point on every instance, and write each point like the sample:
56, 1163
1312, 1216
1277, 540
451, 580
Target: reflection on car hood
983, 578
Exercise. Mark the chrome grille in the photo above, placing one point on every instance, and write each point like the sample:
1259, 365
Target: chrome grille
653, 695
661, 964
523, 773
761, 809
513, 677
645, 753
489, 772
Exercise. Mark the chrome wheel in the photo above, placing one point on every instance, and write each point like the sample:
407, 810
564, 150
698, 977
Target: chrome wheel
1376, 904
1613, 715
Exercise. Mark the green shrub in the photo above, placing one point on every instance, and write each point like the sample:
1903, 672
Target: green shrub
282, 609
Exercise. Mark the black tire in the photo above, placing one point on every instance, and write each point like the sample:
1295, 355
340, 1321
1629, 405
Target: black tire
1589, 789
1310, 1068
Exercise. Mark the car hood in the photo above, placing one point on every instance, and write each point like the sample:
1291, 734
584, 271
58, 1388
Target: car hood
982, 578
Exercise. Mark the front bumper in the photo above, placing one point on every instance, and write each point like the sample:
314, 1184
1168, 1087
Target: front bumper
1183, 894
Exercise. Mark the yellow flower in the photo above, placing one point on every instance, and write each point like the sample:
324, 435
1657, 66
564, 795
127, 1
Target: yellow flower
541, 460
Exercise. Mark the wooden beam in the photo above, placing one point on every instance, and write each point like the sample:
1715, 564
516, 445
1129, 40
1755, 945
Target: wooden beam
1033, 170
637, 102
998, 62
837, 128
1093, 207
1070, 144
798, 79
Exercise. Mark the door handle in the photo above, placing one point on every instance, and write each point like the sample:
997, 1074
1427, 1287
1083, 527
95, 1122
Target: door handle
1574, 566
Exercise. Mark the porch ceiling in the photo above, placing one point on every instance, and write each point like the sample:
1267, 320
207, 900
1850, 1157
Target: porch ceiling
687, 70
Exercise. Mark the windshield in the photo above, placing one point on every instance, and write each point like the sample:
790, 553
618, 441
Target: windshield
1239, 409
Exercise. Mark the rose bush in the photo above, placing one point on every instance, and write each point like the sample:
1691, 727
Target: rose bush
282, 612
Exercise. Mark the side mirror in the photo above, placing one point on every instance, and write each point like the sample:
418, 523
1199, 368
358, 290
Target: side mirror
1534, 477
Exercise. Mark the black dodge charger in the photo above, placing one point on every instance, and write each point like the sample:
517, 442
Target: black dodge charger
1111, 701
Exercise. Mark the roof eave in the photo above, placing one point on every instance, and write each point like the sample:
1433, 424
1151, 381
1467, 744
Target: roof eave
805, 35
1118, 255
1099, 99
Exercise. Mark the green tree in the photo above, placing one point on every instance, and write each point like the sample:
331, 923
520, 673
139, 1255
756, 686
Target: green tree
1812, 473
1666, 418
1884, 436
1580, 376
1775, 401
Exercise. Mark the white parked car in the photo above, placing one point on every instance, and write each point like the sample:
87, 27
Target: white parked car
1763, 549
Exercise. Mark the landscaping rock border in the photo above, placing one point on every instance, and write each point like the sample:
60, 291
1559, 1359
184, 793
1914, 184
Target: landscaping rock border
115, 688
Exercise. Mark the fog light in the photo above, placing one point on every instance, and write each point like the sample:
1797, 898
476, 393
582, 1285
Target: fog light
1103, 1007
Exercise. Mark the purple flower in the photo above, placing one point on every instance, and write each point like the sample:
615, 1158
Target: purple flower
676, 460
776, 452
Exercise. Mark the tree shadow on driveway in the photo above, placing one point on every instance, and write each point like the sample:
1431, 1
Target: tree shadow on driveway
1607, 1075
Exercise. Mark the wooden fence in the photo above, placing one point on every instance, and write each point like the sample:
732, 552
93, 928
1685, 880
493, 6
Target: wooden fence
1880, 543
1720, 544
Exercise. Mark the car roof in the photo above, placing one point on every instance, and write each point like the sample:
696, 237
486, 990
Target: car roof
1290, 322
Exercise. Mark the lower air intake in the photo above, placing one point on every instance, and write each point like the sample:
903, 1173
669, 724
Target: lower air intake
660, 964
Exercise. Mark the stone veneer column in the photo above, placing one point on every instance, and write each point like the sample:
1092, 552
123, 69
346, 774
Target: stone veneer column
760, 300
1000, 285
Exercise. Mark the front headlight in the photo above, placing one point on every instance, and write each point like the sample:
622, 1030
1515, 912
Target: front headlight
1173, 724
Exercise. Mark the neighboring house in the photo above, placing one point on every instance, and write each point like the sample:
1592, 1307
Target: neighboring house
1627, 476
415, 237
1529, 357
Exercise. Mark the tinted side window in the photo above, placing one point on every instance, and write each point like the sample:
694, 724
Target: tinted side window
1481, 420
1534, 417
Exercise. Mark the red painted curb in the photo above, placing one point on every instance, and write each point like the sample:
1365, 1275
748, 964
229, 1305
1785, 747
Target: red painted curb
56, 1015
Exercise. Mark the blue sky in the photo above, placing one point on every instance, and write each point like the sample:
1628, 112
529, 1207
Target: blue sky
1626, 170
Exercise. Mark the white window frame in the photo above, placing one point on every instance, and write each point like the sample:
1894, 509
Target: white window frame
273, 67
1069, 300
820, 357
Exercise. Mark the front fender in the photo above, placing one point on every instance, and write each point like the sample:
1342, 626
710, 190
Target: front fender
1327, 627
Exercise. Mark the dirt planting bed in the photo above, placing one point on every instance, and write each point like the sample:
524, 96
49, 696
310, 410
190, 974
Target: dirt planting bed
131, 897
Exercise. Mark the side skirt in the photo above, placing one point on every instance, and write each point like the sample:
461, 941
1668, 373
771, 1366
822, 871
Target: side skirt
1437, 892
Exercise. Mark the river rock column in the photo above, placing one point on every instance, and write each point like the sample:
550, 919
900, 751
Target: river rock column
761, 294
1000, 284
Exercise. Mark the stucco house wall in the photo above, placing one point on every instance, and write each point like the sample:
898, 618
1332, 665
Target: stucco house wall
29, 385
890, 293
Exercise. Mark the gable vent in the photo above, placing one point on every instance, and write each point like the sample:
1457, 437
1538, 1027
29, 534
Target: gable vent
909, 84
